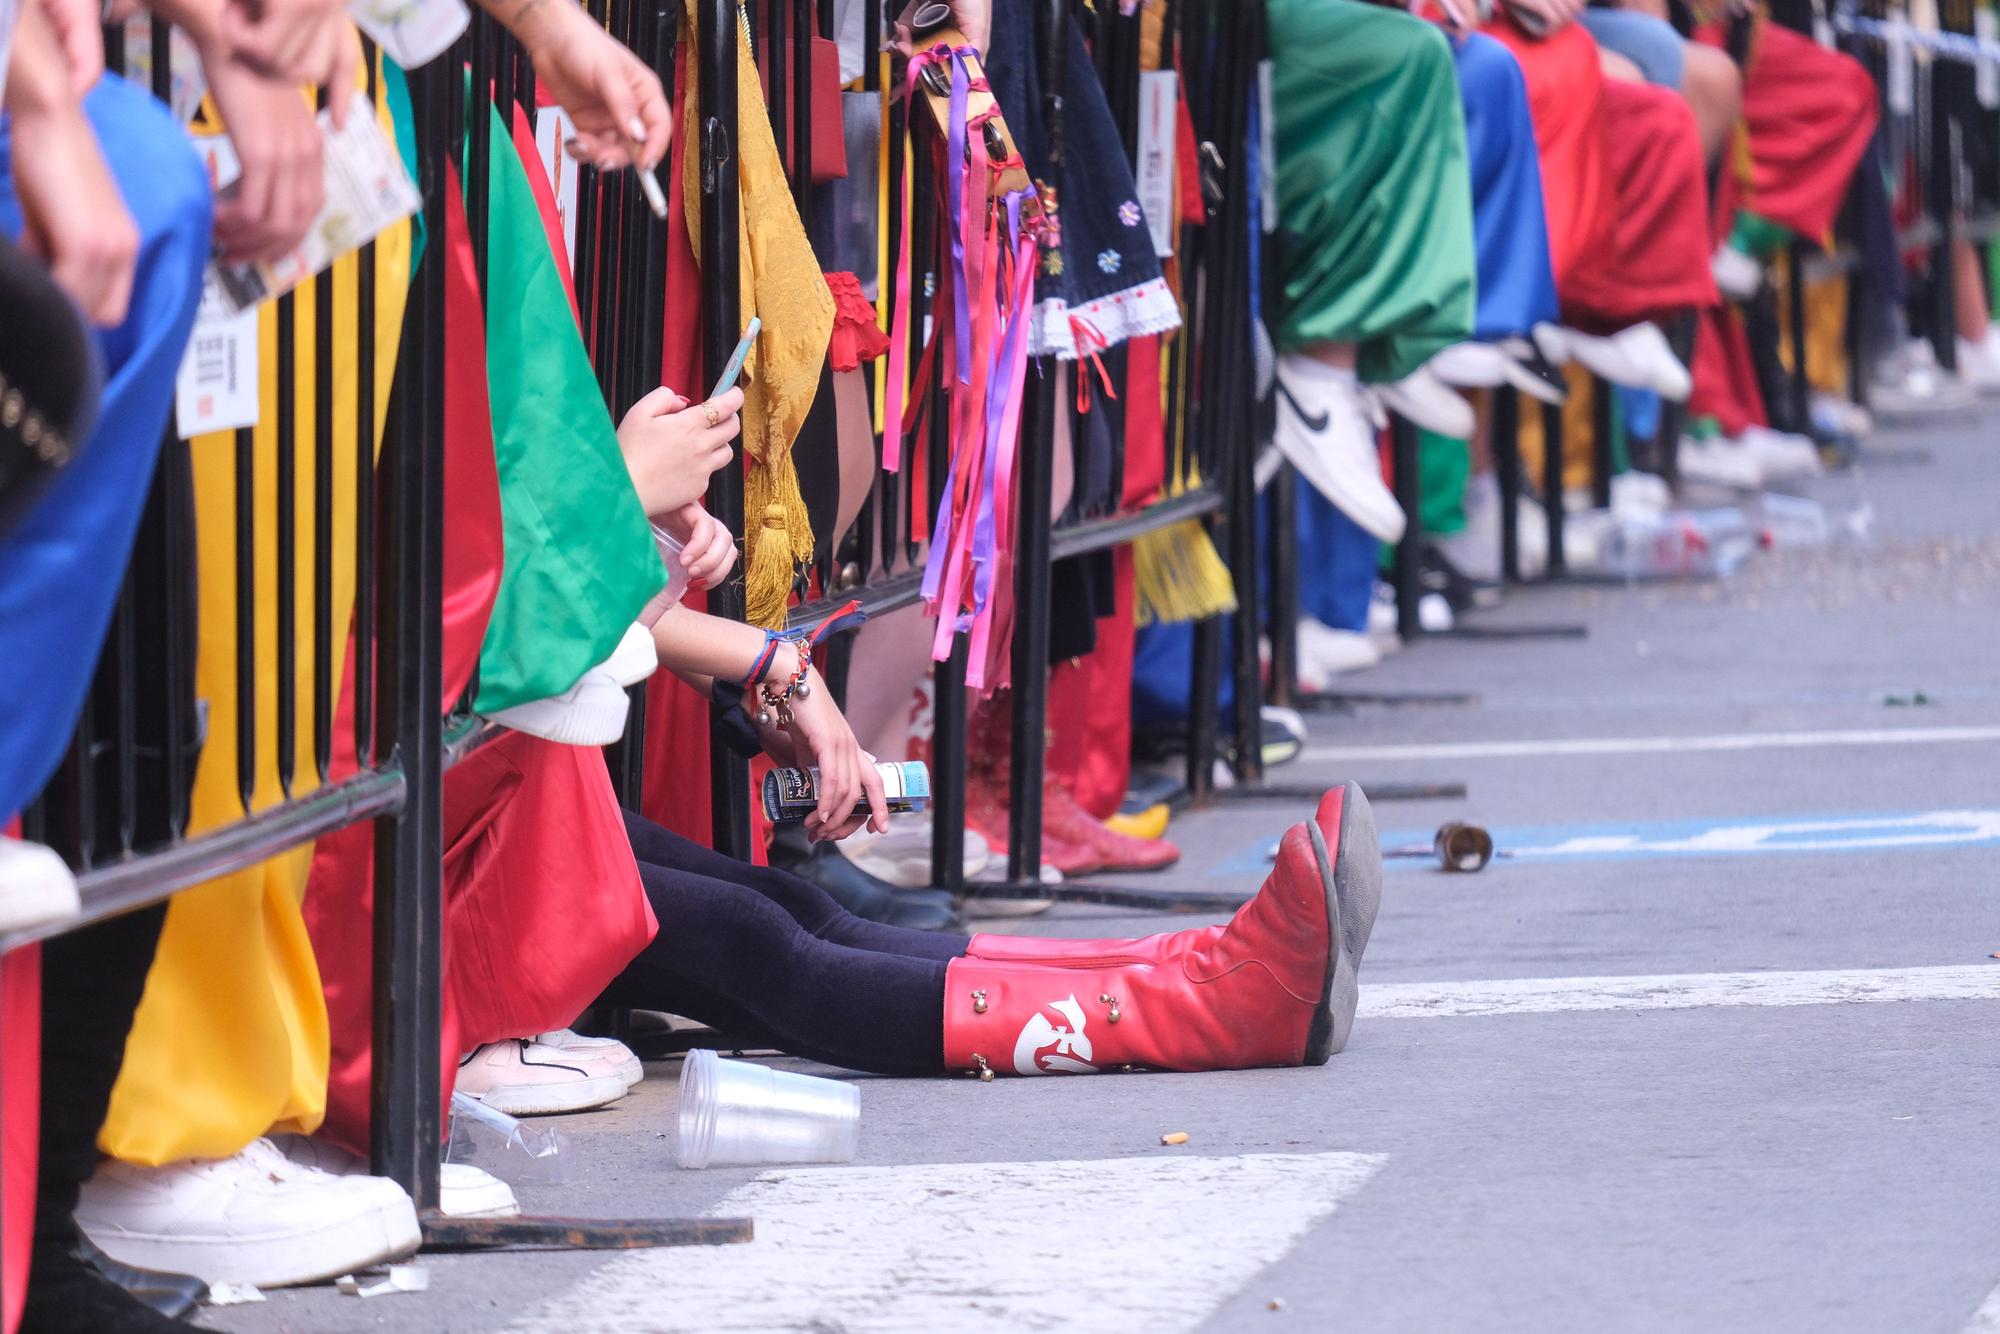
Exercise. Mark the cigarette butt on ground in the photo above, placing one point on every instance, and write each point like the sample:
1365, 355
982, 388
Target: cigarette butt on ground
1177, 1137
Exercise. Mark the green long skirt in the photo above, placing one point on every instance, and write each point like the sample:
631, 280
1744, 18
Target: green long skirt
1374, 189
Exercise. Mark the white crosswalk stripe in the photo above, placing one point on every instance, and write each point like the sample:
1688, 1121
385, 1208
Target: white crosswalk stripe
1055, 1247
1678, 991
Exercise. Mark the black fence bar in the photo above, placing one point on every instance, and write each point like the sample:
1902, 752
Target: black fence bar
1406, 561
287, 524
721, 327
1603, 421
1552, 485
1504, 444
409, 892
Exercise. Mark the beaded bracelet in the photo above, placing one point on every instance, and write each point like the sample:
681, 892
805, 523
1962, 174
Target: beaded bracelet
779, 703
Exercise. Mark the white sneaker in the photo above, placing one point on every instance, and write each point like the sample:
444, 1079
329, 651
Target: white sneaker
523, 1078
1912, 384
1638, 358
1719, 463
610, 1053
1476, 548
1434, 613
1640, 493
1839, 416
1471, 365
1979, 362
35, 885
591, 712
902, 857
1325, 652
1324, 431
1781, 456
256, 1218
1427, 401
464, 1191
1738, 275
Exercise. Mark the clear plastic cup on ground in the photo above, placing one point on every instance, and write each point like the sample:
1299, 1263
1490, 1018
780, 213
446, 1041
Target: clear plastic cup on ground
738, 1113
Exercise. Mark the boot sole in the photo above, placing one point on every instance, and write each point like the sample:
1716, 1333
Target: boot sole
1352, 879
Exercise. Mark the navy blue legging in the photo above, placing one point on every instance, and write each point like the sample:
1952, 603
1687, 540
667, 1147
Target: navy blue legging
772, 961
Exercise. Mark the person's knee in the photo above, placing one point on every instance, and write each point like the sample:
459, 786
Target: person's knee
1619, 67
1712, 84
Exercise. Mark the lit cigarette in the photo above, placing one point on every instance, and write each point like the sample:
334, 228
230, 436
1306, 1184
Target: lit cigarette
651, 186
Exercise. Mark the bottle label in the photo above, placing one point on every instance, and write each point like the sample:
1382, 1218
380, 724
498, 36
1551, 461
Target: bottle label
793, 794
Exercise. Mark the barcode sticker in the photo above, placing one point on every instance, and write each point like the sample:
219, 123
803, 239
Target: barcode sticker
1159, 101
216, 389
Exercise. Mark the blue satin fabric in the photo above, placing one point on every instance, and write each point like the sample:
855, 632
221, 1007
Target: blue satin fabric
1517, 288
61, 569
1336, 573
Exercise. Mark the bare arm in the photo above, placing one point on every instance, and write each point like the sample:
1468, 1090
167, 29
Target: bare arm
699, 648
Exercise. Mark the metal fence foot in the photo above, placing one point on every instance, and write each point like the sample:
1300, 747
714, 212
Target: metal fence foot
579, 1234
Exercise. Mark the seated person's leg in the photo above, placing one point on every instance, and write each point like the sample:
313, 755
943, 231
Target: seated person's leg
720, 937
1713, 87
1375, 203
807, 904
1374, 195
1646, 40
1517, 289
54, 607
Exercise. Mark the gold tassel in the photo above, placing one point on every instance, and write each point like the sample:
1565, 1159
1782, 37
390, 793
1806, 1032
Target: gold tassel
1177, 575
777, 545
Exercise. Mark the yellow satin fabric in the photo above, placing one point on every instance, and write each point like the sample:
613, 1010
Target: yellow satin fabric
230, 1040
781, 281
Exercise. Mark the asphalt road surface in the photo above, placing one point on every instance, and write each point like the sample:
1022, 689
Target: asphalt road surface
1717, 1049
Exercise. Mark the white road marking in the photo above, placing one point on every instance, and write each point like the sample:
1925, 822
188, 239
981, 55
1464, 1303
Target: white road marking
1651, 745
1986, 1320
1153, 1243
1678, 991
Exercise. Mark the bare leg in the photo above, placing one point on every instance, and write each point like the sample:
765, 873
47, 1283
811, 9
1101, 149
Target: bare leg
1969, 291
1341, 355
1713, 87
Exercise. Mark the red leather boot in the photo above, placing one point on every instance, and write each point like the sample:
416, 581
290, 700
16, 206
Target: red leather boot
1276, 986
1069, 823
1345, 821
989, 748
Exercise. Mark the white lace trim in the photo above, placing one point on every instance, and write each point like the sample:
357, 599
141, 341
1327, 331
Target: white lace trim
1149, 308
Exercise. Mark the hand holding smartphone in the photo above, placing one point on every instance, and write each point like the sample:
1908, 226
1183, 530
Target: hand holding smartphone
734, 367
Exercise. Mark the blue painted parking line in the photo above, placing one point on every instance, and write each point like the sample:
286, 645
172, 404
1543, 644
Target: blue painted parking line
1759, 836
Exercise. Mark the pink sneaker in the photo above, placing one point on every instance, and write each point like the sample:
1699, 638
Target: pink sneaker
524, 1078
611, 1054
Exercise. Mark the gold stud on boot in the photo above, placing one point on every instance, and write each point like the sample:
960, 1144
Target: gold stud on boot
985, 1070
979, 1002
1112, 1001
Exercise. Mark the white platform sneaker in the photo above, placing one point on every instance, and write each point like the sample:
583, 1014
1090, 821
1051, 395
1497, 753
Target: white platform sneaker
257, 1217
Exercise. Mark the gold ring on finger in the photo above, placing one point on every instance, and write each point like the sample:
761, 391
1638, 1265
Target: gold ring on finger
713, 416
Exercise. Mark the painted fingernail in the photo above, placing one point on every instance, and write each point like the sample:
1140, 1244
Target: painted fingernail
636, 128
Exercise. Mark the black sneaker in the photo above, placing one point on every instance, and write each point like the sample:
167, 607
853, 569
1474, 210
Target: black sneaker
1463, 592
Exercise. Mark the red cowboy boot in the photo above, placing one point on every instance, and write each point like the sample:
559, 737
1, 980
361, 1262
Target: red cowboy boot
1345, 821
1274, 987
989, 747
1069, 823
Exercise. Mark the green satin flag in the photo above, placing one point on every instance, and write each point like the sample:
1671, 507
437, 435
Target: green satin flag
581, 563
1374, 187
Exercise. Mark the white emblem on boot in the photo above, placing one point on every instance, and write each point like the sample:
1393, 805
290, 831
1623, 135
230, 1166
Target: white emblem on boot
1047, 1048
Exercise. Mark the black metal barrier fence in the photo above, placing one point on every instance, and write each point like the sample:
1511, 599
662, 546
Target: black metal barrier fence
119, 809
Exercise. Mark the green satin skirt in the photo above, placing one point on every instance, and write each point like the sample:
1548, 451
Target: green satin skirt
1374, 188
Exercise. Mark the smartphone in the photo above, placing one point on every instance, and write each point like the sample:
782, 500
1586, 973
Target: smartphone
735, 366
